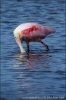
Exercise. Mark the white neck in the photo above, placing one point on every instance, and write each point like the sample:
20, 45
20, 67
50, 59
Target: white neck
22, 49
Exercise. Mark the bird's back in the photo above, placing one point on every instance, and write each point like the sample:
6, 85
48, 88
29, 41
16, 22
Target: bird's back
24, 26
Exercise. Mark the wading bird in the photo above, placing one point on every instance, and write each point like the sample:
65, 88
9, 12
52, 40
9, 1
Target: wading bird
31, 32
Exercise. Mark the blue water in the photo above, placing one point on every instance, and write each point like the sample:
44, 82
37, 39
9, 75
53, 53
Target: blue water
40, 75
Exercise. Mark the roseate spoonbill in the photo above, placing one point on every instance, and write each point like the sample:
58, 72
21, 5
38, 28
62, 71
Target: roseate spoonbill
31, 32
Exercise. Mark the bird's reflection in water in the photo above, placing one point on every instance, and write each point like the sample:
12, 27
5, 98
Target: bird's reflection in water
29, 70
32, 60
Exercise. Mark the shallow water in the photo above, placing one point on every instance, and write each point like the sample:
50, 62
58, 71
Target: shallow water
40, 74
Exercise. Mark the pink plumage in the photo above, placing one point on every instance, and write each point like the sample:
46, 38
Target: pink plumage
32, 32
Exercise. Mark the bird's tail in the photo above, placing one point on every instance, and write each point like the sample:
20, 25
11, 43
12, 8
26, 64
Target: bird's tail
48, 30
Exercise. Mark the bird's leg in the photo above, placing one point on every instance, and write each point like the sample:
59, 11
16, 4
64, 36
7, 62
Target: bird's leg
20, 45
45, 45
28, 47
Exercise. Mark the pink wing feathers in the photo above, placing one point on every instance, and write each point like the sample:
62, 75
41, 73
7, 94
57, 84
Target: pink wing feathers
33, 31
